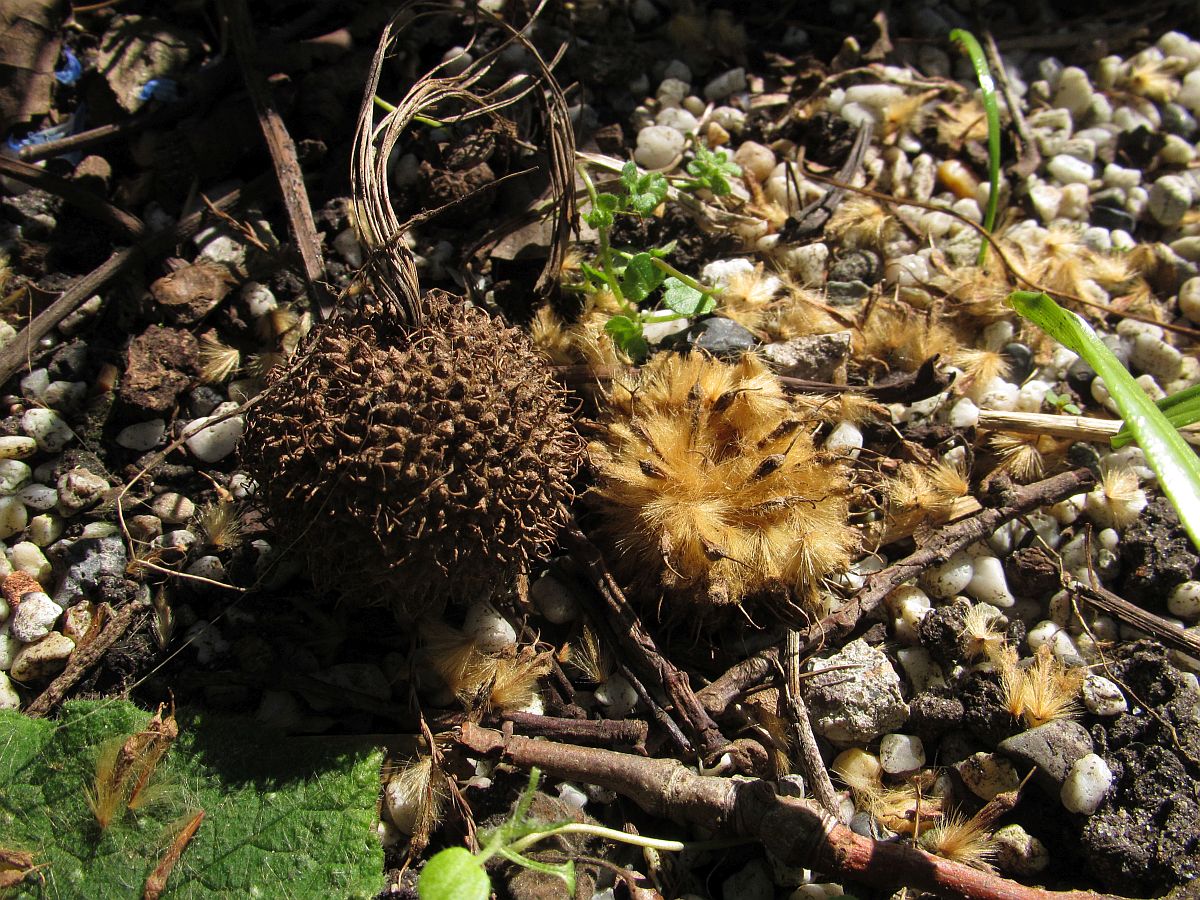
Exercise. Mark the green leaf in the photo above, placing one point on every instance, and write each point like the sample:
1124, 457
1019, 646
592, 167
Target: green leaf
1175, 463
287, 818
640, 278
686, 301
601, 214
627, 335
1181, 409
665, 250
987, 88
454, 874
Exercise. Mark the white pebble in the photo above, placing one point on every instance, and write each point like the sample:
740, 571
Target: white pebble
1031, 395
679, 119
258, 298
988, 583
1086, 785
1074, 201
1169, 199
35, 617
1046, 200
554, 600
491, 632
726, 83
9, 698
28, 557
1102, 697
1074, 93
617, 696
756, 159
1070, 170
999, 395
13, 517
209, 567
38, 497
210, 443
1121, 177
14, 475
1156, 357
910, 605
901, 753
47, 428
671, 91
17, 447
1184, 600
950, 578
963, 414
922, 671
1189, 299
845, 438
142, 436
658, 146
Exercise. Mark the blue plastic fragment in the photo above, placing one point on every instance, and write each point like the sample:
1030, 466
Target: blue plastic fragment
164, 90
72, 68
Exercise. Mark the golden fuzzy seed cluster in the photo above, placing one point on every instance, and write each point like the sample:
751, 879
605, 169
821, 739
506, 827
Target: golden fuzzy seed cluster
710, 485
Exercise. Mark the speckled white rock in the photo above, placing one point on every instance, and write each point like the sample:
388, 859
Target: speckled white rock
950, 578
1031, 394
1086, 785
209, 567
13, 517
173, 508
9, 698
14, 475
922, 670
909, 605
142, 436
617, 696
901, 753
988, 774
210, 443
1169, 199
1156, 357
38, 497
491, 632
1074, 92
678, 118
1184, 600
658, 146
28, 557
1046, 200
259, 299
35, 617
47, 428
999, 395
1103, 697
846, 438
17, 446
554, 600
1070, 170
988, 583
1018, 853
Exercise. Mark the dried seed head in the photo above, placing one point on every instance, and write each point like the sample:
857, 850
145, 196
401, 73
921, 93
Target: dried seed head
218, 361
414, 465
710, 486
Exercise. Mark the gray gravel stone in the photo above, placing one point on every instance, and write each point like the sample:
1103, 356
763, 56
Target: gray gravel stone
87, 560
860, 704
1054, 748
817, 357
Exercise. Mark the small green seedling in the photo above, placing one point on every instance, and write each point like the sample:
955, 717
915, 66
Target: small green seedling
711, 170
1063, 403
457, 874
635, 277
987, 87
1175, 463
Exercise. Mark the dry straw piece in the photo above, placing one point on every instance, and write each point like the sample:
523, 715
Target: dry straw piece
415, 450
711, 488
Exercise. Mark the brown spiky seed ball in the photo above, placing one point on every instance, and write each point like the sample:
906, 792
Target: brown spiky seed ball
711, 492
414, 465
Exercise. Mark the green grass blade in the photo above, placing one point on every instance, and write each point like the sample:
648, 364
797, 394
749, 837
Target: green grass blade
1175, 463
987, 87
1181, 408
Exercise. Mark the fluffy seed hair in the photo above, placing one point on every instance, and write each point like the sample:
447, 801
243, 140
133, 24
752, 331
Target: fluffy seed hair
220, 521
218, 361
1045, 691
900, 338
861, 222
710, 485
962, 840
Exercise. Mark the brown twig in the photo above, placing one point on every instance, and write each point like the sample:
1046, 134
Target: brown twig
802, 730
1014, 502
84, 658
1170, 635
677, 737
793, 829
602, 732
641, 649
1028, 155
77, 195
283, 156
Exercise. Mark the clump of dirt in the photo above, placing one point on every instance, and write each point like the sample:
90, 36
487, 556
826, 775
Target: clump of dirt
1146, 836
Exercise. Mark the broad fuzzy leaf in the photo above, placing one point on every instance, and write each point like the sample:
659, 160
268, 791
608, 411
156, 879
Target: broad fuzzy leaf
284, 817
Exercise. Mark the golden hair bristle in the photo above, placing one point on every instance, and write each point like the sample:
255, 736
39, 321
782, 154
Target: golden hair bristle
962, 840
1045, 691
861, 222
711, 486
901, 338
